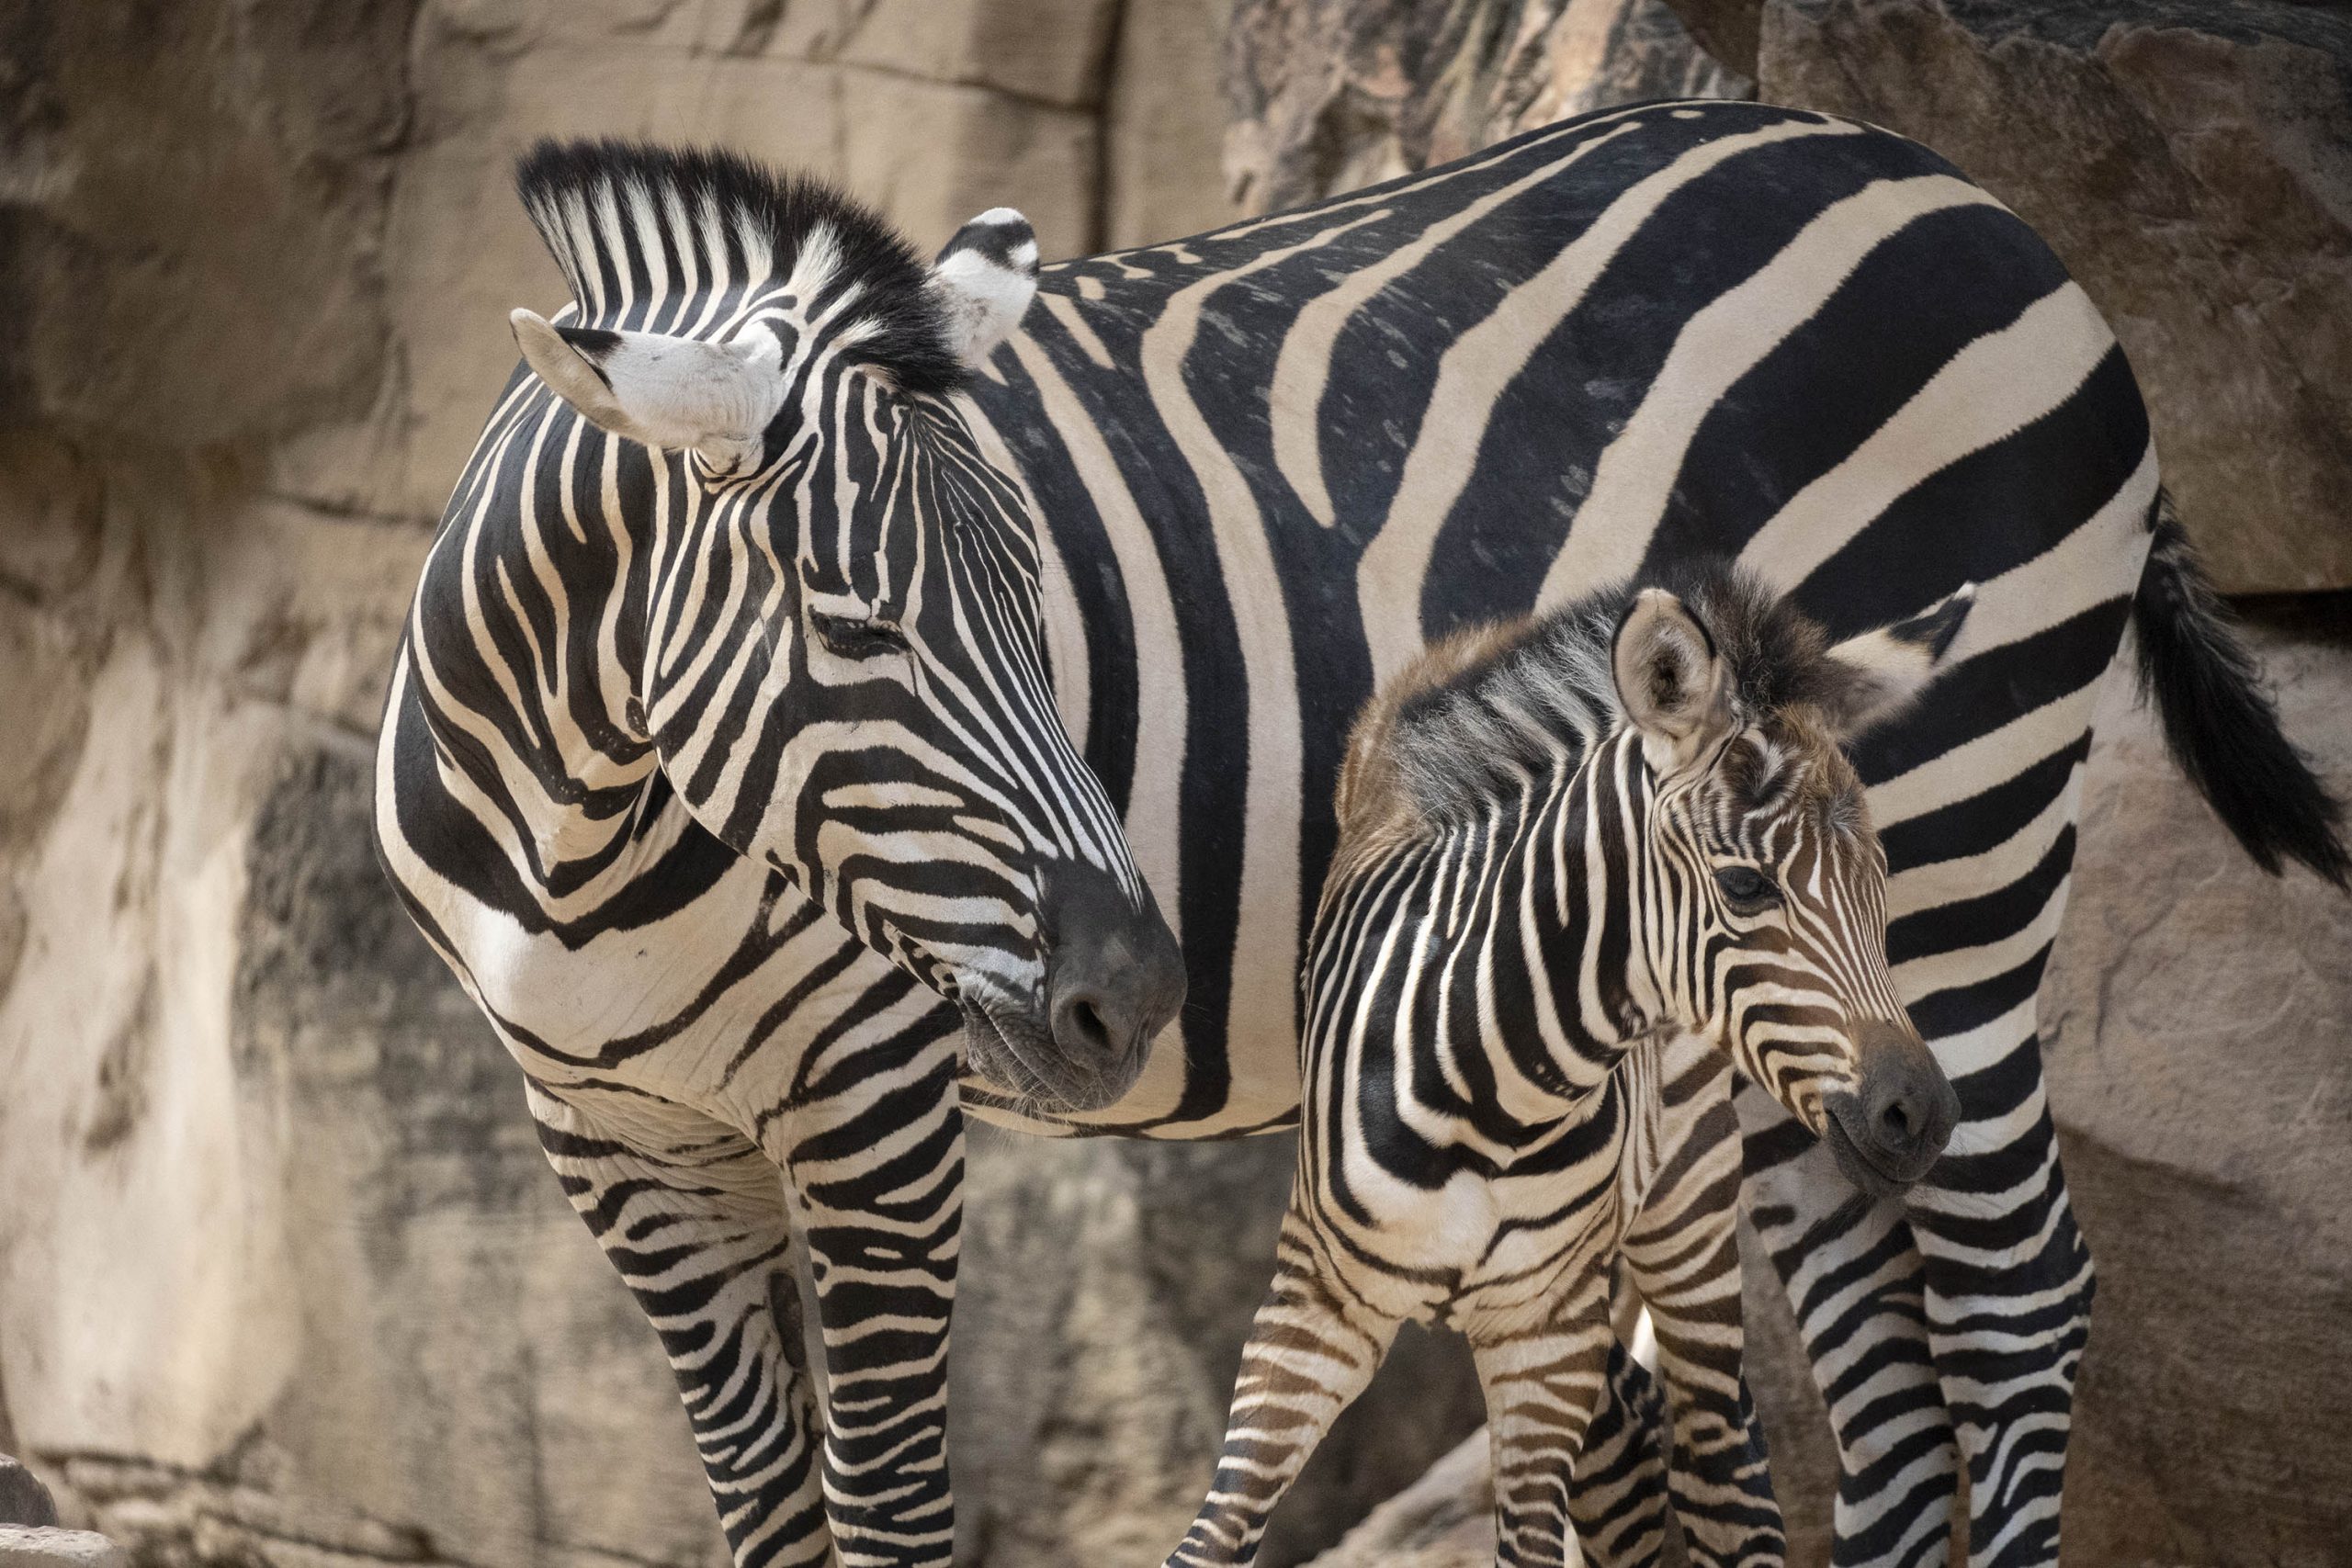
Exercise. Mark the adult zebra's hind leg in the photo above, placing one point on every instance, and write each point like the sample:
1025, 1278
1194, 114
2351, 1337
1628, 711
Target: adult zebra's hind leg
1856, 1281
1542, 1385
693, 1215
2009, 1303
1311, 1351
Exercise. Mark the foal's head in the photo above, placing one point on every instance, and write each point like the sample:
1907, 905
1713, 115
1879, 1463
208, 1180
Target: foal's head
1728, 850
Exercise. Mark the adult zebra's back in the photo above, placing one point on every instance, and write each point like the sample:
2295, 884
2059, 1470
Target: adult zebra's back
1274, 459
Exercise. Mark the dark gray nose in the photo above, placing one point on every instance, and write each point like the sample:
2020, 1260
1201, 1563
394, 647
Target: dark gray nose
1113, 976
1907, 1107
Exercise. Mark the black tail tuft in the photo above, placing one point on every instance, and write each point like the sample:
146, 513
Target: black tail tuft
2218, 720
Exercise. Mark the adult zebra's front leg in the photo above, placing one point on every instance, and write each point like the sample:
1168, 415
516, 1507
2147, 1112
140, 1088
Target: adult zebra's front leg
871, 1134
693, 1215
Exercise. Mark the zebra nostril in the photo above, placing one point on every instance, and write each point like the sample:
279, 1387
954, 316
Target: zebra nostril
1901, 1121
1083, 1025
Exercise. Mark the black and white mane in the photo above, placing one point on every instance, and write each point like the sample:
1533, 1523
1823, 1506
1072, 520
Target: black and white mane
643, 233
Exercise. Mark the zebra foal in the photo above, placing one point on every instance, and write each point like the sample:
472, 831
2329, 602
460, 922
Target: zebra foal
1587, 861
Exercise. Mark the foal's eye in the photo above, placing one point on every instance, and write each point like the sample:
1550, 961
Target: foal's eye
850, 637
1747, 889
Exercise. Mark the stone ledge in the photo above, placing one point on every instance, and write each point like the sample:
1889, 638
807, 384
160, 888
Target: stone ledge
31, 1546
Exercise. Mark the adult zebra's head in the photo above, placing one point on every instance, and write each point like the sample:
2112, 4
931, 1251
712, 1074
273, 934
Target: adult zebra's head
1768, 904
826, 604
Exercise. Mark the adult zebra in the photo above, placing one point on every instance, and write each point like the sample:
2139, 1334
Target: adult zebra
1256, 468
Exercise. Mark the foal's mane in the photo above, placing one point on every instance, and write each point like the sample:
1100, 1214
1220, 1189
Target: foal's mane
628, 222
1461, 729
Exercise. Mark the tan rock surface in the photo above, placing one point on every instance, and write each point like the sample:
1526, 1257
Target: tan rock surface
1445, 1519
1158, 133
1329, 94
1725, 29
2192, 161
24, 1501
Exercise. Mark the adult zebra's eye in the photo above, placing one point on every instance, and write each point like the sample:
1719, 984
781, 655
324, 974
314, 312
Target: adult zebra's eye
850, 637
1747, 889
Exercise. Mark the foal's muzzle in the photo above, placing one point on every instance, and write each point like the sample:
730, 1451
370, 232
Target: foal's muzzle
1891, 1128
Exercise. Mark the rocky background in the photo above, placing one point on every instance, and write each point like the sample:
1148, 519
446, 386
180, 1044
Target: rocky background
283, 1280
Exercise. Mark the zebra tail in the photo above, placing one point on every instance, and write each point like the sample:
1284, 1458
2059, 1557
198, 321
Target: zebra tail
2220, 722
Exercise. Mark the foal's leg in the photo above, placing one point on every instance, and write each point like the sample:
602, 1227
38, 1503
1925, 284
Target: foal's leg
1311, 1351
1619, 1503
1542, 1384
1679, 1186
693, 1217
1681, 1252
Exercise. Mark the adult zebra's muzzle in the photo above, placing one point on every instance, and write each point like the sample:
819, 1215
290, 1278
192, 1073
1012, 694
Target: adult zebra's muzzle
1114, 980
1890, 1129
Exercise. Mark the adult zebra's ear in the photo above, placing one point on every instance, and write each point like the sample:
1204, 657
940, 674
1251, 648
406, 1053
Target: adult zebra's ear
1875, 676
671, 392
986, 277
1674, 682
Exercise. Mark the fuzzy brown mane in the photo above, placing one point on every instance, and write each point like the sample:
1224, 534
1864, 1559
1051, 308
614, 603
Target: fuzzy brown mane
1460, 729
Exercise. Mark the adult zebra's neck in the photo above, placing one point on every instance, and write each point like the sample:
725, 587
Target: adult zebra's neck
527, 636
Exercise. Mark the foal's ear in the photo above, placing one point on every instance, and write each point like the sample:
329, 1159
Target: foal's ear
1674, 682
1877, 675
986, 277
670, 392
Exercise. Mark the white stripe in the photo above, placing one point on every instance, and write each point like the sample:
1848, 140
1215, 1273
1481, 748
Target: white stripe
1263, 995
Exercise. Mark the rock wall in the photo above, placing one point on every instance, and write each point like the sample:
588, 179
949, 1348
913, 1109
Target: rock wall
283, 1279
1329, 94
2191, 160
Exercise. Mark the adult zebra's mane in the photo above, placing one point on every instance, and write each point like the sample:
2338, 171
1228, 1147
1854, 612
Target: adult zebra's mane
631, 225
1461, 729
